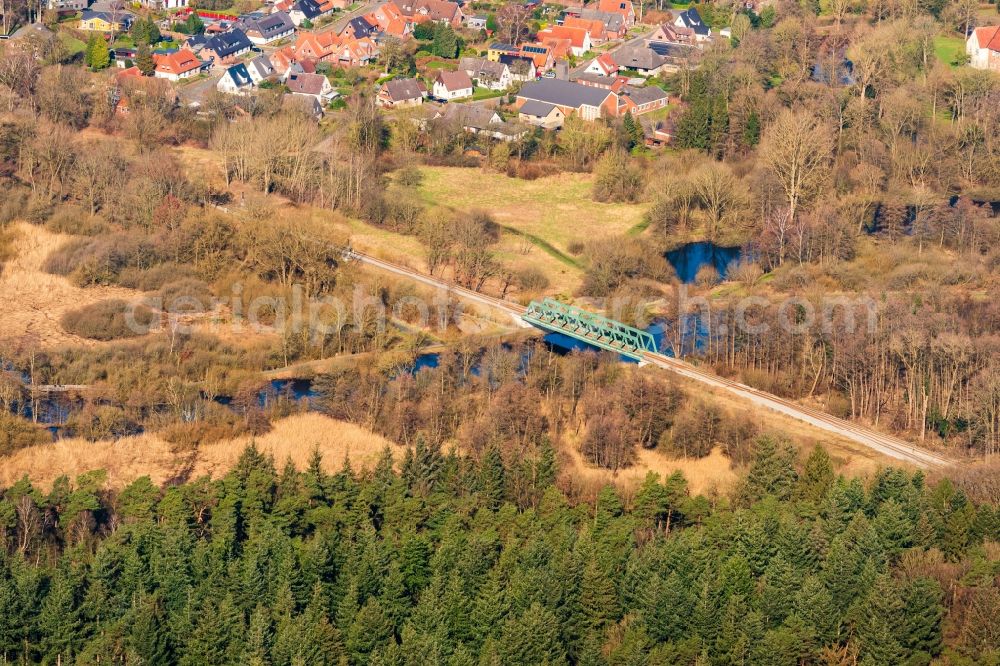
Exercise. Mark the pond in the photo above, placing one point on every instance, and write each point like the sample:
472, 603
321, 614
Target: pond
690, 258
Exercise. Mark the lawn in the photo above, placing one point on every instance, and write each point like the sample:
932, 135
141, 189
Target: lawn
949, 49
486, 93
552, 215
72, 44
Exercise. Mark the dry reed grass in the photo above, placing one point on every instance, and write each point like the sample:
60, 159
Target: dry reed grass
129, 458
34, 301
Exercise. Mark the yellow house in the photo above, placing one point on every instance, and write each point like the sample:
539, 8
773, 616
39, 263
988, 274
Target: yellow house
498, 49
105, 21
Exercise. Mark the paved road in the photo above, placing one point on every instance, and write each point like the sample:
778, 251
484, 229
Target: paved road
887, 445
343, 19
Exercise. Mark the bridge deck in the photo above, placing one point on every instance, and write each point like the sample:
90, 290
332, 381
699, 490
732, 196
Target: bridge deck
590, 328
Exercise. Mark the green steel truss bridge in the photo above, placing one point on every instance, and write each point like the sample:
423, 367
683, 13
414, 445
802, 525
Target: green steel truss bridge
588, 327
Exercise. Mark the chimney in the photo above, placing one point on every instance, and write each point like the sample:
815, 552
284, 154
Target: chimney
562, 70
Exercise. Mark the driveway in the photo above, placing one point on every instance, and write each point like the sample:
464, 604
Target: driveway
195, 93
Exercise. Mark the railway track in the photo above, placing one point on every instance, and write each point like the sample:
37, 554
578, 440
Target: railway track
887, 445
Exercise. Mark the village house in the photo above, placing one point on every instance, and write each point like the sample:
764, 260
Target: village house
400, 93
602, 65
437, 11
672, 34
497, 49
541, 114
983, 48
316, 45
260, 69
613, 83
452, 85
578, 38
306, 10
282, 60
486, 73
316, 86
614, 23
176, 65
261, 30
390, 20
236, 80
481, 120
588, 102
226, 48
594, 28
476, 22
520, 67
691, 19
164, 4
651, 58
110, 21
356, 52
540, 54
638, 101
358, 28
623, 8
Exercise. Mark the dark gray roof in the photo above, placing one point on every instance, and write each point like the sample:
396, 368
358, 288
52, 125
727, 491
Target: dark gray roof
692, 19
644, 95
404, 89
263, 66
362, 28
227, 43
535, 108
122, 17
309, 8
516, 61
305, 84
612, 22
475, 116
481, 68
239, 75
270, 26
639, 56
563, 93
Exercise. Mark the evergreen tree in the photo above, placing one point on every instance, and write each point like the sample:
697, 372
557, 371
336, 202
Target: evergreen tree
751, 132
372, 629
878, 620
633, 130
817, 477
144, 59
531, 638
97, 54
445, 42
491, 479
772, 471
148, 633
922, 603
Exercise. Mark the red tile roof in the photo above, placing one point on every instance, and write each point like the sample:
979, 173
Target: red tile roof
576, 36
177, 63
989, 37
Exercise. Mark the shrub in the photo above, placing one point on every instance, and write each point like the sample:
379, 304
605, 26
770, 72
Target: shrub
186, 295
112, 319
69, 219
532, 279
18, 433
410, 176
13, 203
102, 422
617, 179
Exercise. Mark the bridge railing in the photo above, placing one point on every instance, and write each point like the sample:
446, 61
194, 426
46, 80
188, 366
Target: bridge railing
589, 327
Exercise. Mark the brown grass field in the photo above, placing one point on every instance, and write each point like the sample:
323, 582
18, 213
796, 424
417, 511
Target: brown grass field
147, 455
34, 301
